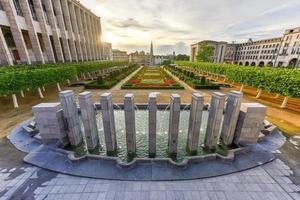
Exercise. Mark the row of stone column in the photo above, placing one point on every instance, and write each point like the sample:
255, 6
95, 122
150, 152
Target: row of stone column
76, 36
241, 122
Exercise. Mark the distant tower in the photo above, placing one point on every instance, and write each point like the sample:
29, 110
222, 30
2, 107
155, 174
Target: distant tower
151, 54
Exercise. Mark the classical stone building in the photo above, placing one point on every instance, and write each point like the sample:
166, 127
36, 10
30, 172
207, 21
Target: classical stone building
278, 51
142, 58
119, 55
48, 31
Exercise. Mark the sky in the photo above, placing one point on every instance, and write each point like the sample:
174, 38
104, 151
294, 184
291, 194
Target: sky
173, 25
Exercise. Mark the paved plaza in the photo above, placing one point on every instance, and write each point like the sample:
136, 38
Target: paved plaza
269, 182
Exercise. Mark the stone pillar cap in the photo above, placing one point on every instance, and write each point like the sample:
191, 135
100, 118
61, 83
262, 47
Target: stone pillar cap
85, 94
197, 96
129, 96
218, 94
175, 96
236, 93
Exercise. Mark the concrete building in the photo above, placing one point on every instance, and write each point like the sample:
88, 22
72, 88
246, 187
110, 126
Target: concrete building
107, 51
119, 55
219, 50
279, 51
48, 31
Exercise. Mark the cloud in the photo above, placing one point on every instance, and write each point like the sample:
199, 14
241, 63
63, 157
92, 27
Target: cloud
175, 24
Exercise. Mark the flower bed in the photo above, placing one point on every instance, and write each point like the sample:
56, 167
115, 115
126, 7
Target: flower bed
192, 80
152, 78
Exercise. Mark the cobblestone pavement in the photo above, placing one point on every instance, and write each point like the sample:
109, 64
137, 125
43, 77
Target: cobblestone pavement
269, 182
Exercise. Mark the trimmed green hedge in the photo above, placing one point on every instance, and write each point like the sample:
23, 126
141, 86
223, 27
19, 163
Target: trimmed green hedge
20, 77
275, 80
191, 80
115, 77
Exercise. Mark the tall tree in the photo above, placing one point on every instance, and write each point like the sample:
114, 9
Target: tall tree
205, 53
182, 57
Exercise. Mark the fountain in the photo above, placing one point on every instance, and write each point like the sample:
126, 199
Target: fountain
150, 138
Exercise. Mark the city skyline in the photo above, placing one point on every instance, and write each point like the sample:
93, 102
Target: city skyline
131, 25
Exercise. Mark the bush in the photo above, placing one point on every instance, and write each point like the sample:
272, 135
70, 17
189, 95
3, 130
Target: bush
282, 81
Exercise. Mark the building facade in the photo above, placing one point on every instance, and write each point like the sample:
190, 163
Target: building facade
107, 51
219, 50
142, 58
48, 31
279, 52
119, 55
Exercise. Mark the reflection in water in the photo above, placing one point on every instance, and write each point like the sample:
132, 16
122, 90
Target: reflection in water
142, 133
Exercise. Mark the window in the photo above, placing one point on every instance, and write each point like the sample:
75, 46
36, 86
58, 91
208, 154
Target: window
45, 14
1, 7
27, 39
18, 7
41, 41
33, 13
8, 37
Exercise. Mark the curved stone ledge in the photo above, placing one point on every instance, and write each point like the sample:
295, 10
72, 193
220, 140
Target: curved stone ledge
187, 160
93, 166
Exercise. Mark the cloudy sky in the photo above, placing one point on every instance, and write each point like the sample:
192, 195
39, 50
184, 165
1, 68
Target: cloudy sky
175, 24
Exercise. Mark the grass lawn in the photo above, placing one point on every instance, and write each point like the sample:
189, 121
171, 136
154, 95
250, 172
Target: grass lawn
152, 78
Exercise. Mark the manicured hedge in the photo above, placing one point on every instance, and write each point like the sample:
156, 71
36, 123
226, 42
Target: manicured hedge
275, 80
193, 81
114, 77
20, 77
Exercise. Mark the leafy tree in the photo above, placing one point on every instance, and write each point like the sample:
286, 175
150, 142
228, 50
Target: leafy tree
205, 53
182, 57
166, 62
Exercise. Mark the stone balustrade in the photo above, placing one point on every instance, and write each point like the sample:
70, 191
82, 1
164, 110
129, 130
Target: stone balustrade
238, 123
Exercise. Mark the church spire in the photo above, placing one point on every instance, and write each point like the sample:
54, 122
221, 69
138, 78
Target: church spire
151, 54
151, 49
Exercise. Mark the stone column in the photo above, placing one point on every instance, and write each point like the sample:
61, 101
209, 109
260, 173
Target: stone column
214, 120
95, 38
55, 35
5, 55
152, 106
130, 123
98, 25
231, 116
88, 36
195, 123
88, 115
81, 33
108, 118
42, 22
250, 123
50, 122
68, 102
66, 14
62, 28
16, 31
174, 124
74, 21
36, 48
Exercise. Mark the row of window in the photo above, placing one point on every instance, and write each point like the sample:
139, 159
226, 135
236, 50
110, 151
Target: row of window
259, 47
266, 57
34, 15
273, 51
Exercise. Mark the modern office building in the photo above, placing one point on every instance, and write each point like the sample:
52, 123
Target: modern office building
119, 55
280, 51
48, 31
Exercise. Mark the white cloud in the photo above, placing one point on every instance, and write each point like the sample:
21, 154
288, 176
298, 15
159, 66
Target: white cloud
175, 24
